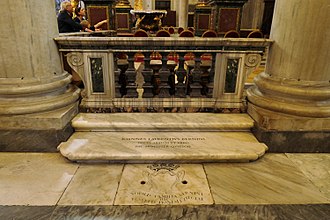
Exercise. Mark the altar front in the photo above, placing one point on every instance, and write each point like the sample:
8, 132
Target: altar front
148, 20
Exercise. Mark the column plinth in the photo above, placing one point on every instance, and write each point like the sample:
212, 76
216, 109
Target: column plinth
37, 101
290, 102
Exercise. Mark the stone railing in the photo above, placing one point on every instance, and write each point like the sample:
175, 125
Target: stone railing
189, 74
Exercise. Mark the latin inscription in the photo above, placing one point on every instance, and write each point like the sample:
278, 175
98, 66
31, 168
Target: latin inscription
179, 198
163, 142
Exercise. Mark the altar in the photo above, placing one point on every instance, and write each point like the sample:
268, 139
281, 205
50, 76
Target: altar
148, 20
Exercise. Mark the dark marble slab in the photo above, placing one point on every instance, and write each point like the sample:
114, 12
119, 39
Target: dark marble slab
26, 212
294, 141
228, 212
24, 140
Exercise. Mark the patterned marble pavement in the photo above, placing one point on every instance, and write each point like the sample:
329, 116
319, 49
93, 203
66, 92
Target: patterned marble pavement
278, 186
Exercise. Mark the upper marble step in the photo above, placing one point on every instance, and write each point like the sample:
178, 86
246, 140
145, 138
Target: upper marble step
162, 122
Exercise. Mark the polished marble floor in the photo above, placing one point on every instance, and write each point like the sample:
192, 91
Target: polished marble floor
277, 186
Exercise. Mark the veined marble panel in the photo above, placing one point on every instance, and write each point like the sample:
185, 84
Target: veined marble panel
162, 121
33, 178
163, 184
145, 147
273, 179
316, 167
93, 184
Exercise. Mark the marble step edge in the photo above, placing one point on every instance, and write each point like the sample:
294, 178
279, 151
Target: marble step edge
145, 159
113, 148
161, 122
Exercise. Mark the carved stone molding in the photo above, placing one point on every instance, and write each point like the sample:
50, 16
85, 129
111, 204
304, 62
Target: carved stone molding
75, 59
252, 60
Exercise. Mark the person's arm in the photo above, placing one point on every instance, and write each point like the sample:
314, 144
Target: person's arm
100, 23
72, 23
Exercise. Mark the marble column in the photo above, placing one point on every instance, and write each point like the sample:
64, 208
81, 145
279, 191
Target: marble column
148, 5
183, 14
37, 100
252, 13
176, 7
291, 100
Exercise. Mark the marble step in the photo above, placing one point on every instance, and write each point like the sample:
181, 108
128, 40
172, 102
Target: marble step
148, 147
162, 122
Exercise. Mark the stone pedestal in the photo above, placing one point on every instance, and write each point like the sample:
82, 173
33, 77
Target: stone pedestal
123, 21
98, 10
202, 18
226, 15
36, 100
291, 100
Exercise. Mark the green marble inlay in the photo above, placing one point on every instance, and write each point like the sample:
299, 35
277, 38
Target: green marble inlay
97, 74
231, 75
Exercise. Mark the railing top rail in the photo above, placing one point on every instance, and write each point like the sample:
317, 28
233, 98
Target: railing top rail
152, 42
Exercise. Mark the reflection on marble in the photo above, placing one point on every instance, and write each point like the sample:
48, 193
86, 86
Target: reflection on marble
162, 121
316, 167
33, 178
162, 146
93, 184
163, 184
273, 179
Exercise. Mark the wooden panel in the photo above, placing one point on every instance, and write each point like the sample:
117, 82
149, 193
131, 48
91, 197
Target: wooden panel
203, 21
228, 19
170, 19
122, 21
97, 14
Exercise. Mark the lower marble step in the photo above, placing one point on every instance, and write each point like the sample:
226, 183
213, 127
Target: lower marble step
148, 147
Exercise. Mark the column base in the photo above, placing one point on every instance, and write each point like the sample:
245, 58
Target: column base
290, 134
41, 132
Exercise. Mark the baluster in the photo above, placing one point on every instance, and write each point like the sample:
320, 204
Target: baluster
148, 76
171, 79
195, 84
164, 77
131, 77
181, 73
210, 85
122, 79
117, 73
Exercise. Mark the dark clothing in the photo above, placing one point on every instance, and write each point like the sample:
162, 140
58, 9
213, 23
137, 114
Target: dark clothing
77, 20
66, 24
92, 28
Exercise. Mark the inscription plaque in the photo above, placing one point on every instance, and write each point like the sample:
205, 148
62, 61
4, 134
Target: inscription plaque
163, 184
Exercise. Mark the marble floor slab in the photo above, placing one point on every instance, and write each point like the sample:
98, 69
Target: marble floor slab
162, 121
93, 184
143, 147
274, 179
163, 184
33, 178
316, 167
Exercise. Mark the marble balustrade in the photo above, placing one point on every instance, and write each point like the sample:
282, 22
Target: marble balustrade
158, 72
